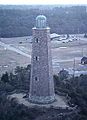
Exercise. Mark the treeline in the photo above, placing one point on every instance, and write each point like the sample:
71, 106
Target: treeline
62, 20
18, 81
75, 89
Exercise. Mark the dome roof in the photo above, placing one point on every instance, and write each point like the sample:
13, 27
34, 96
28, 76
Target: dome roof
41, 21
40, 17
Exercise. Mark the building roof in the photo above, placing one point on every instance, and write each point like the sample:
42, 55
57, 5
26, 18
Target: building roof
84, 59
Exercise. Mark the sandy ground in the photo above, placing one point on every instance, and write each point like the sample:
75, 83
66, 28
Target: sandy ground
59, 101
64, 55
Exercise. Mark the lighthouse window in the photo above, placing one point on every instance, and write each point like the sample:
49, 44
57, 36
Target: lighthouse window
36, 40
36, 58
35, 78
34, 92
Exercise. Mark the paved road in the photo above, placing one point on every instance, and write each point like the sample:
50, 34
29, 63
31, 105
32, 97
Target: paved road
7, 46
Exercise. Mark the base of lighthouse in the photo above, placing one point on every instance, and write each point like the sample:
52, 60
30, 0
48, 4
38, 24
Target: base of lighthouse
41, 99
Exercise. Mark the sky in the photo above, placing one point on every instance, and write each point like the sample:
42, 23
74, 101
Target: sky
43, 2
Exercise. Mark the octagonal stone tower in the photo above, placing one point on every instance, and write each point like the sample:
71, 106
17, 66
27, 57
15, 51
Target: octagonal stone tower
41, 82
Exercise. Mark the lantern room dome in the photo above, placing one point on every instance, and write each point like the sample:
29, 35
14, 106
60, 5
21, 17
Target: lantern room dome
41, 21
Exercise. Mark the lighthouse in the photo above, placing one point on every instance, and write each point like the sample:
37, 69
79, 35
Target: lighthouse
41, 81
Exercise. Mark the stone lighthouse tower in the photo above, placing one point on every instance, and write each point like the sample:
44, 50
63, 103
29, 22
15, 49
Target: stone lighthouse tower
41, 82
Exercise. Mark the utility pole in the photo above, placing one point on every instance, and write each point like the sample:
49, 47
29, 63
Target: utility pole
74, 68
78, 35
82, 52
